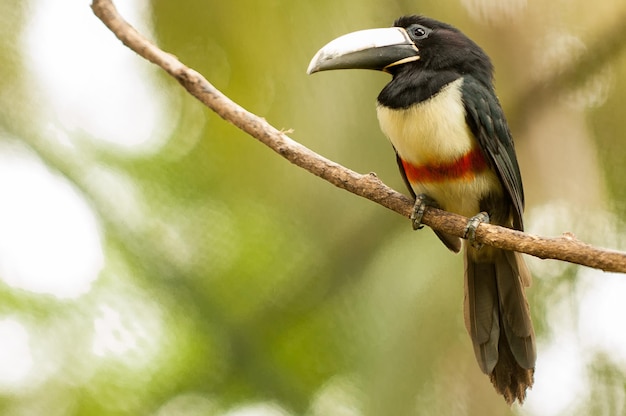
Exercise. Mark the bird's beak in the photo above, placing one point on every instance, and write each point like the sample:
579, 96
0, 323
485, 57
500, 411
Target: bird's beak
376, 49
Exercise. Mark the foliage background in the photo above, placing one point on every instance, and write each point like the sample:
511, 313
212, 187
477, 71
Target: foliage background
155, 260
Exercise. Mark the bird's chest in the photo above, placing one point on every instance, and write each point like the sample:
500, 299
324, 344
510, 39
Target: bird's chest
440, 155
432, 131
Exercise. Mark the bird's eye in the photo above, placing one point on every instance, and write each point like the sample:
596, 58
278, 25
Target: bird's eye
419, 32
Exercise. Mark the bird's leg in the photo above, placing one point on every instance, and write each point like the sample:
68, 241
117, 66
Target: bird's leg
472, 224
421, 202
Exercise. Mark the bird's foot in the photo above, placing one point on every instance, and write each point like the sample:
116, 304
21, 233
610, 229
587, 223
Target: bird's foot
421, 202
472, 225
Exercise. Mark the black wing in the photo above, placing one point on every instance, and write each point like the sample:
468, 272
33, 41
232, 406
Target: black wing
486, 119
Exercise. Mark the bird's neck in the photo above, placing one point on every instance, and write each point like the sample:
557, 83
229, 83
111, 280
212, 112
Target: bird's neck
409, 87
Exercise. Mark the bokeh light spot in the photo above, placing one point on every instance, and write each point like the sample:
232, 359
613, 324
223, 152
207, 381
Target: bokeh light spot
15, 357
49, 238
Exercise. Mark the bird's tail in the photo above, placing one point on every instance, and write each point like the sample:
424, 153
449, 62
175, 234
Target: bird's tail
497, 318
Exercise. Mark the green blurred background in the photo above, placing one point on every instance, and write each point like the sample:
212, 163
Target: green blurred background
154, 260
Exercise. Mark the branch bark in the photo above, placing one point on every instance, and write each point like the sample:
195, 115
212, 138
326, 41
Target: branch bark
565, 248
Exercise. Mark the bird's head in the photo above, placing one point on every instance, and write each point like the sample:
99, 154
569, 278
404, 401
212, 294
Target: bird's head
413, 43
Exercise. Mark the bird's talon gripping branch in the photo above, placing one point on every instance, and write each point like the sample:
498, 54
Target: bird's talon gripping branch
421, 202
472, 225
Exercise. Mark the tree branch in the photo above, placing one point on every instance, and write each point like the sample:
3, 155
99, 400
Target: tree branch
566, 247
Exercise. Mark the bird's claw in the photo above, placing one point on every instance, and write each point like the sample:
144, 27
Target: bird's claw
472, 225
421, 202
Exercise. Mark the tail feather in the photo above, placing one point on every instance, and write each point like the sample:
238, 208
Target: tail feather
482, 314
508, 377
515, 310
497, 318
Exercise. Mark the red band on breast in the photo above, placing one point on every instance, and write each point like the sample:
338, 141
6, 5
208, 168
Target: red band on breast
464, 168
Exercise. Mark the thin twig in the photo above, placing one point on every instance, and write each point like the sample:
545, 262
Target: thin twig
565, 248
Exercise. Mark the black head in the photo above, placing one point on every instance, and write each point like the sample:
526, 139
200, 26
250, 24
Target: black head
443, 47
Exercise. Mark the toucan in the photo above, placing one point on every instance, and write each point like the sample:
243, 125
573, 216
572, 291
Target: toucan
455, 152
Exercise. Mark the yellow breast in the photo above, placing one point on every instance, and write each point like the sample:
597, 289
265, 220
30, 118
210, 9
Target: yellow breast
433, 130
